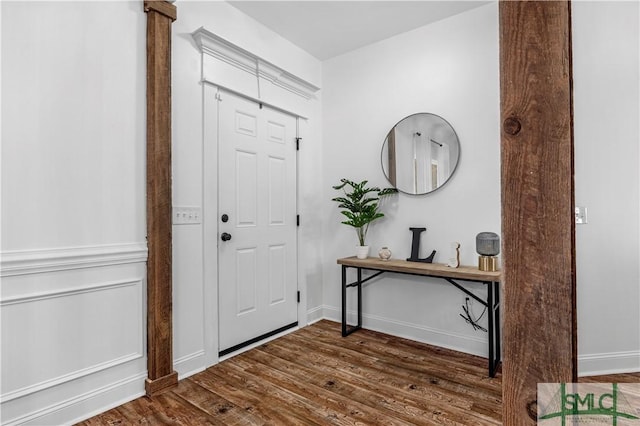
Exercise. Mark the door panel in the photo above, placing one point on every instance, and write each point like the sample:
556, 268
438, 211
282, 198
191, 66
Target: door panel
257, 190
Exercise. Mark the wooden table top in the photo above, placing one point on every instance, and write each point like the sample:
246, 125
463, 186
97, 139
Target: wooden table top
420, 268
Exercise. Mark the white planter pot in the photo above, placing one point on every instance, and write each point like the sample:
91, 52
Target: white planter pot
362, 252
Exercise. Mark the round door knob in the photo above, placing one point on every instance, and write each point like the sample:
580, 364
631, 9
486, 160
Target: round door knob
225, 236
225, 218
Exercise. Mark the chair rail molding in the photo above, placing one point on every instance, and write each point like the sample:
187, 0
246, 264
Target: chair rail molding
36, 261
217, 47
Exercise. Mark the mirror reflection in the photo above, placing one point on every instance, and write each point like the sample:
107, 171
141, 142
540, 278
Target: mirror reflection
420, 153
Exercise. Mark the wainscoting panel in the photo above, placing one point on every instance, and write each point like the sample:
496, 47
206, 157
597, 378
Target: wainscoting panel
73, 333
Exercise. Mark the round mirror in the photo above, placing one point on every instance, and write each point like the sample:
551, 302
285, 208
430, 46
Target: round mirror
420, 153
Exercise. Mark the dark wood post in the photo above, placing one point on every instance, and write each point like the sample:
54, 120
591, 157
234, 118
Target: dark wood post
537, 202
160, 15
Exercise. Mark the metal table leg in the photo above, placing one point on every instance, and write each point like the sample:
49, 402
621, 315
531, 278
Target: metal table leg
346, 329
344, 300
496, 323
491, 328
493, 306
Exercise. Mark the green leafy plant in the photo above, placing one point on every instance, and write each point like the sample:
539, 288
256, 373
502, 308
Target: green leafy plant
360, 204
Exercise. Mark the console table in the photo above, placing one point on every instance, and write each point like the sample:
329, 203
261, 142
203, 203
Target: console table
450, 275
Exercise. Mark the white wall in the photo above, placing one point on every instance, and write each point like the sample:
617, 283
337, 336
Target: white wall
73, 209
606, 123
449, 68
195, 310
73, 248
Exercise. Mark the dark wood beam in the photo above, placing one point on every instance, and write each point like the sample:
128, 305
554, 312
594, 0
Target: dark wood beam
160, 15
537, 202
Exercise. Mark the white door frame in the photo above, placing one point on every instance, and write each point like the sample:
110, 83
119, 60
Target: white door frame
232, 68
210, 224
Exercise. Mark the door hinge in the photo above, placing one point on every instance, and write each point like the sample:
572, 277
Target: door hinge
298, 296
219, 97
298, 140
297, 220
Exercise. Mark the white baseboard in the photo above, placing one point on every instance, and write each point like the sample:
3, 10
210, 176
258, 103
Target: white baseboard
190, 364
314, 315
588, 365
86, 405
420, 333
608, 363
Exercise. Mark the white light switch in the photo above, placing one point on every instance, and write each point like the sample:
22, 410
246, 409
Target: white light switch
581, 215
187, 215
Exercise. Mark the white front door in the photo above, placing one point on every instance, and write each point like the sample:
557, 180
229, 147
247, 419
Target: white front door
257, 250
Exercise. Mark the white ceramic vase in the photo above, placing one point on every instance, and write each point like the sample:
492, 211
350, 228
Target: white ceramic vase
384, 253
362, 252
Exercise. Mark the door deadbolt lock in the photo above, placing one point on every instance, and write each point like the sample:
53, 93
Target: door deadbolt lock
225, 236
225, 218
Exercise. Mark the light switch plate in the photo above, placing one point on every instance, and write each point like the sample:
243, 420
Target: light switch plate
187, 215
581, 215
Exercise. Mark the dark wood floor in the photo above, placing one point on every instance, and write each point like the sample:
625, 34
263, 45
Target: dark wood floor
315, 377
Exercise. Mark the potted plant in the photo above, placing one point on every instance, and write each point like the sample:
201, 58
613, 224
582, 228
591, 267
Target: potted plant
360, 205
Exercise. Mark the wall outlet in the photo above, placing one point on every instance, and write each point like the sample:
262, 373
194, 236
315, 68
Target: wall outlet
581, 215
187, 215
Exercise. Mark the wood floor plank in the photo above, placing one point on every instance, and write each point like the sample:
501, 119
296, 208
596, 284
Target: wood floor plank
376, 379
144, 411
314, 376
223, 410
108, 418
420, 371
404, 402
324, 399
407, 349
347, 396
182, 413
276, 405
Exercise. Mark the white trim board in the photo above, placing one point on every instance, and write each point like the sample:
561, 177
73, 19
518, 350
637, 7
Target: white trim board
588, 364
216, 46
86, 405
608, 363
24, 262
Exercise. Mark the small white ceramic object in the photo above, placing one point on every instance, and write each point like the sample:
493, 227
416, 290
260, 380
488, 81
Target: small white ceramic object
454, 260
384, 253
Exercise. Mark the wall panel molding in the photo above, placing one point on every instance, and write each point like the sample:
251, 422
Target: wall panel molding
37, 261
52, 304
9, 396
76, 407
69, 292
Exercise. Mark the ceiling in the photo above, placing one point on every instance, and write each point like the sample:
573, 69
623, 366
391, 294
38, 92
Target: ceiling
330, 28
